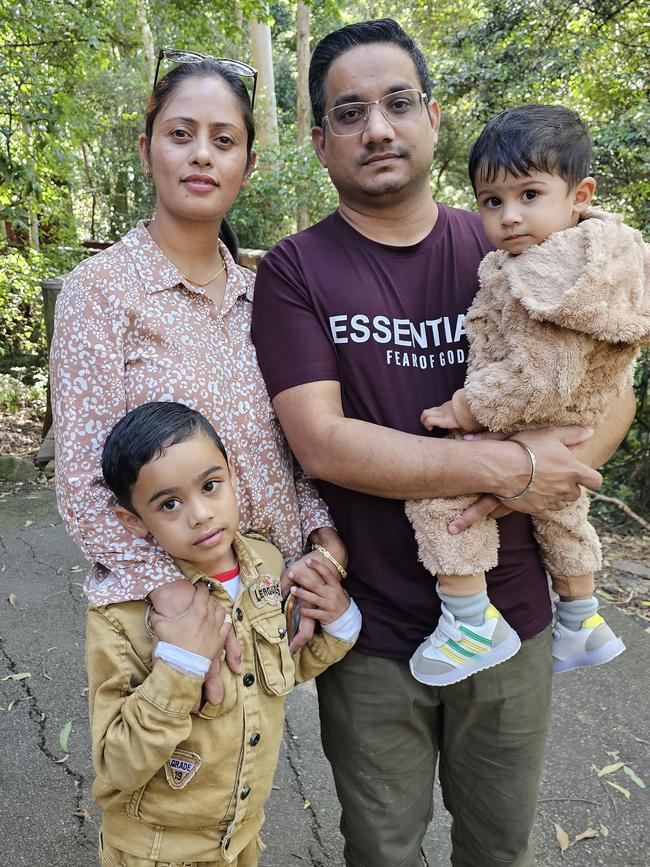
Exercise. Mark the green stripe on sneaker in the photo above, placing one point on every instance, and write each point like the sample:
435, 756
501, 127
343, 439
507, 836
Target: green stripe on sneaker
475, 637
460, 649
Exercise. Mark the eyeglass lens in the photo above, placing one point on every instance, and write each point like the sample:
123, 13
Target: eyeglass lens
352, 117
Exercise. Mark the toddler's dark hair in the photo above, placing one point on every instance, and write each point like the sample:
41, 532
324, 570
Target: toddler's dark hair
142, 435
543, 138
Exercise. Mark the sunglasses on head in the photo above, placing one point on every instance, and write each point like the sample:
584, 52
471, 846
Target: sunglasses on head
237, 66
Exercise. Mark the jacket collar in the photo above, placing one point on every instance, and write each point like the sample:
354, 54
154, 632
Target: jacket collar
249, 563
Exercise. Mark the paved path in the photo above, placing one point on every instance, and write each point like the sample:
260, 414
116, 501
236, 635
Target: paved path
47, 818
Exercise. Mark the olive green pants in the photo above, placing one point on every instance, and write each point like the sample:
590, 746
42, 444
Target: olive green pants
383, 733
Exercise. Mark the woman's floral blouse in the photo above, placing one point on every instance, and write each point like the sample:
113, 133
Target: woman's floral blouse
130, 329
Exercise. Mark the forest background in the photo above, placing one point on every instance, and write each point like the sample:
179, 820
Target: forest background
74, 76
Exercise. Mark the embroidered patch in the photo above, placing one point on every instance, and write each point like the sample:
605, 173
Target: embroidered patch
181, 767
266, 591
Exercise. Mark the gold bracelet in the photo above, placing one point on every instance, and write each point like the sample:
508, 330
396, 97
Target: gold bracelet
326, 554
533, 468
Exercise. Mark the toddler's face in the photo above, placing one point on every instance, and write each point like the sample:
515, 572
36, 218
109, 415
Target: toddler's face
186, 500
518, 212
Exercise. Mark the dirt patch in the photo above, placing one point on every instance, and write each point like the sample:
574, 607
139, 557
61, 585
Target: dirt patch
20, 434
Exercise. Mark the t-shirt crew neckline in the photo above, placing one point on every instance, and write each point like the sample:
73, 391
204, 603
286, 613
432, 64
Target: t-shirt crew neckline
397, 250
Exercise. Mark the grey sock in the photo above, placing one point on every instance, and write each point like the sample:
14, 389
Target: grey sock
469, 609
573, 612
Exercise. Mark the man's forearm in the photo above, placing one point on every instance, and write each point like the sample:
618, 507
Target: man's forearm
389, 463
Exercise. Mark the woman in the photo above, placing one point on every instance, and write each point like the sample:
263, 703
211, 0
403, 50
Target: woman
164, 314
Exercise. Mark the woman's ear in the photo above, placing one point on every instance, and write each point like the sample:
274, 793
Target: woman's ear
583, 194
131, 521
144, 155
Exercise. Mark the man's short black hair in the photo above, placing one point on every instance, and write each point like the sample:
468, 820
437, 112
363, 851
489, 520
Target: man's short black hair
542, 138
142, 435
335, 44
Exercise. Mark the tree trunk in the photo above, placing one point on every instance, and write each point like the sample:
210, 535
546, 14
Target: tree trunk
142, 15
266, 112
303, 111
32, 208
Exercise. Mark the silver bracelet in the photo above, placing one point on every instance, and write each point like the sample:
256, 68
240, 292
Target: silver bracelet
533, 468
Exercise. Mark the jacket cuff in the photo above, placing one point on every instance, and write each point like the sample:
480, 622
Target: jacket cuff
170, 690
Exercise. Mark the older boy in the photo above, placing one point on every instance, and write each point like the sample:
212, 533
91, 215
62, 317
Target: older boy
176, 786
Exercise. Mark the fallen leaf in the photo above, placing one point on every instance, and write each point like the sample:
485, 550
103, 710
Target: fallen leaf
12, 599
562, 837
64, 734
22, 676
75, 569
10, 705
276, 788
84, 691
585, 835
618, 788
609, 769
604, 830
28, 523
82, 813
61, 761
644, 603
635, 779
306, 805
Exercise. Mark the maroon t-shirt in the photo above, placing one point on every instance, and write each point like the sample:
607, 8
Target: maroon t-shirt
387, 322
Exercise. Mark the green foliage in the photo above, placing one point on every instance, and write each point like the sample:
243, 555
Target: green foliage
16, 395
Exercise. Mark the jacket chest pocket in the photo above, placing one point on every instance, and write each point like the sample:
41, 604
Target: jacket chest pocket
273, 663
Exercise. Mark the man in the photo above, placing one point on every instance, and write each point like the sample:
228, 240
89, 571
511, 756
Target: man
358, 325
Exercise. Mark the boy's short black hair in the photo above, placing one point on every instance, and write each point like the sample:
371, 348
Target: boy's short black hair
142, 435
332, 46
543, 138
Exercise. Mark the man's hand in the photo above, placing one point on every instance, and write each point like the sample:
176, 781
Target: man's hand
558, 477
442, 416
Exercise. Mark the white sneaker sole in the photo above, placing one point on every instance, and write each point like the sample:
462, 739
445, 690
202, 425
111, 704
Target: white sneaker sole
604, 654
503, 652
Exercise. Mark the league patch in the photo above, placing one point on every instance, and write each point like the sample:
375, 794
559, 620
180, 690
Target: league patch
181, 768
265, 591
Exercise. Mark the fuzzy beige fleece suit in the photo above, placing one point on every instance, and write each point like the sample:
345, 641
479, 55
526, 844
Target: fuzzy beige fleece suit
554, 334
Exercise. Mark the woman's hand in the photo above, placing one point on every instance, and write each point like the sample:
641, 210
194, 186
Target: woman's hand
306, 569
321, 594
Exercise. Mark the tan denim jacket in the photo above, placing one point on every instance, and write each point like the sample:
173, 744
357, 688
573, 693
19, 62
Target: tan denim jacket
180, 786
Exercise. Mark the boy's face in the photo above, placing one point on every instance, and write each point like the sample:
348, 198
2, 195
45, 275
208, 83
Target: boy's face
186, 500
519, 212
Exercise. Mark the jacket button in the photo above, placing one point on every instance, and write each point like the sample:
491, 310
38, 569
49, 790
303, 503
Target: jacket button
282, 631
245, 792
254, 739
239, 614
249, 679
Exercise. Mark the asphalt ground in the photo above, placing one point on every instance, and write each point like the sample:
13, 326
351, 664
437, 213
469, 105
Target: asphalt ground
601, 718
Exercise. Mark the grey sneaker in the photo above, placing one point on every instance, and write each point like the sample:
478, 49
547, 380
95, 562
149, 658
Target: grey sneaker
594, 644
457, 650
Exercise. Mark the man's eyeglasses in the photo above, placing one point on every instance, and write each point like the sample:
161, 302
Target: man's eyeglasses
236, 66
351, 118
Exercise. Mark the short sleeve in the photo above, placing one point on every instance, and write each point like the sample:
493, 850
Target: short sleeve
292, 344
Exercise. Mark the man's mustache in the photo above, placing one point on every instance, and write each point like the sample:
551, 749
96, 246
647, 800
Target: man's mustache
396, 150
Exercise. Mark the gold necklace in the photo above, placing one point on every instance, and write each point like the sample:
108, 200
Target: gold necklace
209, 280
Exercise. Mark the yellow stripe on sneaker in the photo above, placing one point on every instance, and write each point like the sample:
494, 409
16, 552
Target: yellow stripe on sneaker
451, 654
477, 648
591, 622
